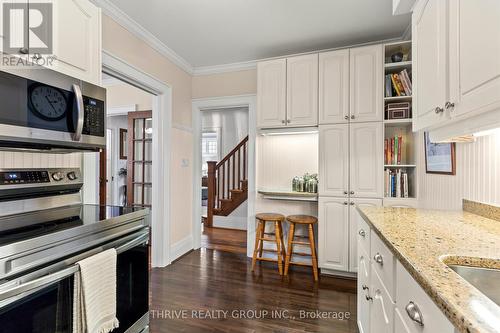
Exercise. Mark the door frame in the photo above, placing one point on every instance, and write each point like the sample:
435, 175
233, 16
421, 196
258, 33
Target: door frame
162, 134
249, 101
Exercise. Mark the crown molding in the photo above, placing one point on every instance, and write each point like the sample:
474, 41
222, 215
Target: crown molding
140, 32
226, 68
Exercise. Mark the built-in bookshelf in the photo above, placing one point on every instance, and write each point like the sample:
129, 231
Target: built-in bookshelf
400, 164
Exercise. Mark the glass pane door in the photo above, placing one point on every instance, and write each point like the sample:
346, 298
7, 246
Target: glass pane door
140, 159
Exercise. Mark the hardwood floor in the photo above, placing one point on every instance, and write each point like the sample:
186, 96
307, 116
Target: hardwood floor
221, 287
228, 240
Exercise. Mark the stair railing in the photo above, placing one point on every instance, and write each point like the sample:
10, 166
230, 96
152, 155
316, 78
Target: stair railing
225, 176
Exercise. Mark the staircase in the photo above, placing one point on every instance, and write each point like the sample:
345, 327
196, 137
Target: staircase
227, 182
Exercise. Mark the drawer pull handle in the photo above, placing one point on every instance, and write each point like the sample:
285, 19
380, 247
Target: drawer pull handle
365, 287
362, 233
378, 259
369, 298
414, 313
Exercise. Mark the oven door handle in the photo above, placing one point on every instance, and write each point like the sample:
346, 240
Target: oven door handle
64, 273
81, 112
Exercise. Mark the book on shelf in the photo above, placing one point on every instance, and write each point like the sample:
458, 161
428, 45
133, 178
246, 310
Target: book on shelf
393, 150
398, 84
396, 184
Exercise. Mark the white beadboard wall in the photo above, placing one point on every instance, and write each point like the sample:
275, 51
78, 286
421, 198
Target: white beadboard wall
477, 177
12, 160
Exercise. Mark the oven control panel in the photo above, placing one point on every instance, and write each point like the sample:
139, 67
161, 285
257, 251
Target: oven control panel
22, 177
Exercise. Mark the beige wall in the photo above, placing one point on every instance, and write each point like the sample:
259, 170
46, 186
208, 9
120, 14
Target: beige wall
121, 43
124, 94
225, 84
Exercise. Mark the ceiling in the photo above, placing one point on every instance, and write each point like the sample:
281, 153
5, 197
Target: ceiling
217, 32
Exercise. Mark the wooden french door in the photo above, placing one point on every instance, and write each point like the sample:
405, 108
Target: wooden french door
139, 158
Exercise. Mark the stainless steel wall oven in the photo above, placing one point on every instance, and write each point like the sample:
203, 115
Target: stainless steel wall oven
40, 246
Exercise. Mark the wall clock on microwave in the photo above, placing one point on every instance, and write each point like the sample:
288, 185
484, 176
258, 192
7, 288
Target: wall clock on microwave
46, 102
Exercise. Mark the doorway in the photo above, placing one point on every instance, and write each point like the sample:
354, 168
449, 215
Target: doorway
161, 150
207, 133
129, 160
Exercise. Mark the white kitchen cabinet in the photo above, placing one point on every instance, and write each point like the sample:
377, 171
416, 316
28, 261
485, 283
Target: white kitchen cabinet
333, 233
334, 87
354, 220
77, 39
334, 160
271, 93
302, 91
381, 307
366, 83
430, 36
363, 283
378, 310
474, 53
411, 296
366, 160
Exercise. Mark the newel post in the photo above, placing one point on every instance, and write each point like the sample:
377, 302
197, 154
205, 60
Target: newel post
211, 193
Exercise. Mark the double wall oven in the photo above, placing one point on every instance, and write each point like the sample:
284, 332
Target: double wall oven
44, 231
46, 110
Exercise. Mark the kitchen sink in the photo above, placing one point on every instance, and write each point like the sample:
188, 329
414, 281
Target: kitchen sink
485, 280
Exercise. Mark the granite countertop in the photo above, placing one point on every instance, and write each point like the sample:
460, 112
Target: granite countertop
425, 240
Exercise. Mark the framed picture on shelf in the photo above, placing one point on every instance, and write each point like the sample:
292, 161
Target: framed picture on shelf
123, 144
439, 157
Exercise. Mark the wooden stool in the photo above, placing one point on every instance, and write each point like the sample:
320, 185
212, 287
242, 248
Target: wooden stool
260, 238
309, 221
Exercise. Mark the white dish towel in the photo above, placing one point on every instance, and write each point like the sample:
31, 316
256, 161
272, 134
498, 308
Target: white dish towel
94, 295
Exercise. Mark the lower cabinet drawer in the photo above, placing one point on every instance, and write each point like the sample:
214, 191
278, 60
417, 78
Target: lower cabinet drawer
363, 304
415, 310
382, 307
384, 263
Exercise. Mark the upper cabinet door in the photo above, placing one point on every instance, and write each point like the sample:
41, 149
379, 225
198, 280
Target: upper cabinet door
77, 39
430, 63
334, 160
366, 156
474, 57
271, 93
302, 90
366, 82
333, 233
334, 87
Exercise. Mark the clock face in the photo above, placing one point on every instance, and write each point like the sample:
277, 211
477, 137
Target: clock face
47, 102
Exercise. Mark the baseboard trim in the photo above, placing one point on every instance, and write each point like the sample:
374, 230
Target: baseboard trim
181, 247
340, 274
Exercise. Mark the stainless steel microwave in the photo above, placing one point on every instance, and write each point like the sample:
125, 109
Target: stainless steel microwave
45, 110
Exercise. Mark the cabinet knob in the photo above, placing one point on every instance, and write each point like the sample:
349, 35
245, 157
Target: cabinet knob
353, 117
438, 110
449, 105
346, 193
289, 121
37, 56
283, 122
346, 117
414, 313
352, 192
346, 203
378, 259
23, 50
362, 233
352, 203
